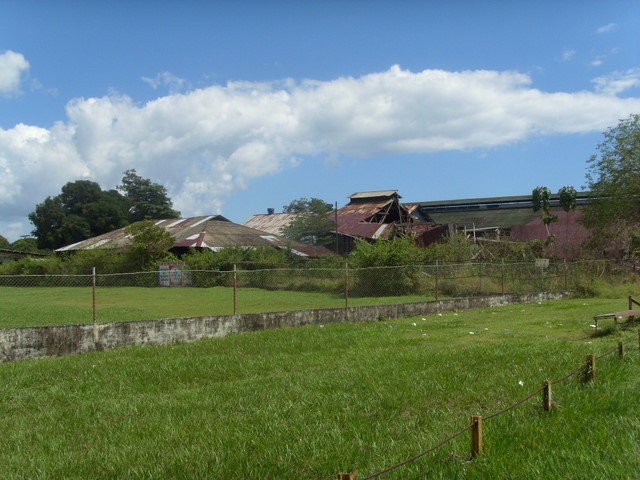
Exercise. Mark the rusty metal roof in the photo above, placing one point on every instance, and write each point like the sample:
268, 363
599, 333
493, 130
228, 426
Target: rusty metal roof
271, 222
213, 232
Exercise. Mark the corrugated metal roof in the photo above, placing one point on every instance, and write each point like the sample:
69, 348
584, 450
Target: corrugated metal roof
272, 223
213, 232
376, 194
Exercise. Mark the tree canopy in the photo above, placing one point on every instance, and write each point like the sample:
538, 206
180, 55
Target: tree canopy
148, 200
312, 224
4, 243
83, 210
80, 211
614, 180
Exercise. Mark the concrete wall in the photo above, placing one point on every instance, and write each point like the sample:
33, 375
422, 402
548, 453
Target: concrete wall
34, 342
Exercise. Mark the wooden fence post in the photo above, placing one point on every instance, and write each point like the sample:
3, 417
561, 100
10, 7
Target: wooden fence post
620, 350
590, 369
547, 399
476, 435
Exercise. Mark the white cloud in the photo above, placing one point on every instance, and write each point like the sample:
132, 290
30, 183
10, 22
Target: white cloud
208, 143
166, 79
12, 66
618, 82
568, 54
608, 28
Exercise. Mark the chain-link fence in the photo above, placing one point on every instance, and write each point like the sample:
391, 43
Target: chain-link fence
29, 300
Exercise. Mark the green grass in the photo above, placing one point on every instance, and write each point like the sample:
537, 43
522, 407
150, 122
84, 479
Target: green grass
313, 401
36, 306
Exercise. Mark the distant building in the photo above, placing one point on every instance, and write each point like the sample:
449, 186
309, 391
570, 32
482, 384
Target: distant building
7, 255
213, 232
508, 218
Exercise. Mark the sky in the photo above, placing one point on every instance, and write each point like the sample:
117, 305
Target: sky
239, 106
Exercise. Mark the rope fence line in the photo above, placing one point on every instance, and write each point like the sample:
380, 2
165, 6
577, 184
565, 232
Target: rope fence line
476, 421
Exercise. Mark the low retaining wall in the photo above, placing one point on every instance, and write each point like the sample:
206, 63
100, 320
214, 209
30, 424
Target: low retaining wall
34, 342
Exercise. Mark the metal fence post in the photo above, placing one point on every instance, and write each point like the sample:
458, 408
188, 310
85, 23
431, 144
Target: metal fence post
235, 289
436, 280
346, 285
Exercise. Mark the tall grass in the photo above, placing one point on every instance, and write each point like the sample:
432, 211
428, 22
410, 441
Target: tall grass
312, 401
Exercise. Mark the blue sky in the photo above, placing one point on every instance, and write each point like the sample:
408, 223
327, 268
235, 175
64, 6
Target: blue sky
240, 106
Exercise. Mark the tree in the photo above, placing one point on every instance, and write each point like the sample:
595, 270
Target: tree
80, 211
312, 224
613, 212
29, 244
4, 243
148, 200
541, 197
150, 242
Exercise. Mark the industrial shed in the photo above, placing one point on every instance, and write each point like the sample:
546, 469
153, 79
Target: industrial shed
507, 218
213, 232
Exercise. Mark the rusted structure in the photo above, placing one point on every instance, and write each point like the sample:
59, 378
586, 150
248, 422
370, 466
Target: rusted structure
212, 232
507, 218
270, 222
371, 216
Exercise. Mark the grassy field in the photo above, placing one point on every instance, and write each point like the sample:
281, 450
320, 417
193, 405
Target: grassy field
313, 401
35, 306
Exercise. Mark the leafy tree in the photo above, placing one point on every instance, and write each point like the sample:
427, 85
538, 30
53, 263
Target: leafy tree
25, 245
613, 212
312, 224
150, 242
541, 197
148, 200
80, 211
4, 243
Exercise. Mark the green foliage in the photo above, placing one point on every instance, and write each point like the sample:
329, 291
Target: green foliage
243, 257
312, 224
568, 196
4, 243
386, 253
149, 245
456, 249
26, 245
148, 200
613, 212
80, 211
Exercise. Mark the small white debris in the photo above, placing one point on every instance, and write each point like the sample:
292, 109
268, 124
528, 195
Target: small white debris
424, 334
471, 333
521, 383
423, 319
592, 326
414, 324
486, 328
321, 326
455, 314
439, 314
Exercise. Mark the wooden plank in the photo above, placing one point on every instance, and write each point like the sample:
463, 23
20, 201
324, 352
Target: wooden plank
625, 313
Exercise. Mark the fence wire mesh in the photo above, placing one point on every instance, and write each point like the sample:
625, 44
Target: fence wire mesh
27, 300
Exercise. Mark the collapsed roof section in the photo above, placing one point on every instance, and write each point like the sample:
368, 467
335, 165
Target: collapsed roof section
213, 232
372, 215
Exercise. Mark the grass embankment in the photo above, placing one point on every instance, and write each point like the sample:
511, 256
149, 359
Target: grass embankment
22, 307
313, 401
